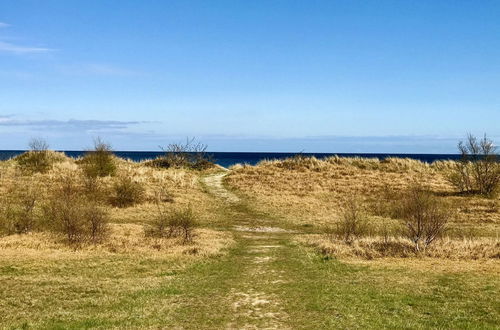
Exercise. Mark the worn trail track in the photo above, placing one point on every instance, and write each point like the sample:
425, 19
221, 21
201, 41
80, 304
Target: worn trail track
255, 296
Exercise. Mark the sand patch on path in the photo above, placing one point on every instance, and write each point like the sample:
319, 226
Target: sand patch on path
215, 185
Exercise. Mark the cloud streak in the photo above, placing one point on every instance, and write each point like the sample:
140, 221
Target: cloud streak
96, 69
7, 47
72, 124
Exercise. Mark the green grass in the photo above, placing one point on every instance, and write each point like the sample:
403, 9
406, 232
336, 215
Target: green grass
315, 293
300, 289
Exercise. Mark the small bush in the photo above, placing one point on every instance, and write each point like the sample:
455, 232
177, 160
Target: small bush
178, 223
70, 213
37, 159
190, 154
424, 215
478, 171
100, 161
96, 222
126, 192
18, 214
94, 190
353, 222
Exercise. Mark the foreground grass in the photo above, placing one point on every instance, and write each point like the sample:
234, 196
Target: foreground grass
313, 292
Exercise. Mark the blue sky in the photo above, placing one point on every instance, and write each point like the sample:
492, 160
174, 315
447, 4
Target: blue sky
319, 76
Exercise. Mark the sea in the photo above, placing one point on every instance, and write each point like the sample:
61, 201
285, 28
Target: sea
227, 159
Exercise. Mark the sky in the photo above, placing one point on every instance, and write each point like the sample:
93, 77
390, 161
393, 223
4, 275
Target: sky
261, 75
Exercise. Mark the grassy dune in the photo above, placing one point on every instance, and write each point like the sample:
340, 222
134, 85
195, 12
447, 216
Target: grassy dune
45, 282
312, 191
261, 255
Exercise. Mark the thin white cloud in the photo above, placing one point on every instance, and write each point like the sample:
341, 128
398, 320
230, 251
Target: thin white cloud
96, 69
18, 49
72, 124
5, 118
9, 47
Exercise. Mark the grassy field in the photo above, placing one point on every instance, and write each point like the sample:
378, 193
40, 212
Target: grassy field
259, 258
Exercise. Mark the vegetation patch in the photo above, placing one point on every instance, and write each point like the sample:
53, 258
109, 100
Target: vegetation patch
100, 161
191, 154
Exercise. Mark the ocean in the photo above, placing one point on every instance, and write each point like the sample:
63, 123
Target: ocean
227, 159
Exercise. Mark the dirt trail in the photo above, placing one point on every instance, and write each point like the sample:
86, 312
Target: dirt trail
214, 183
255, 296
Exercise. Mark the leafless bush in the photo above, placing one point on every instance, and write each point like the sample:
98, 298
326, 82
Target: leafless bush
37, 159
99, 162
176, 223
126, 192
94, 190
191, 154
96, 220
383, 202
161, 196
182, 223
70, 213
424, 215
478, 170
18, 210
38, 145
353, 221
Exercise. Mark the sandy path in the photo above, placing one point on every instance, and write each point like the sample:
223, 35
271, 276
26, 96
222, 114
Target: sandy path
214, 184
254, 298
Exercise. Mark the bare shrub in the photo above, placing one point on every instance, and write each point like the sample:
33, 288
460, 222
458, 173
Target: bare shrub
37, 144
99, 162
424, 215
161, 196
176, 223
94, 190
353, 221
126, 192
96, 220
478, 170
18, 209
191, 154
70, 213
383, 203
182, 223
37, 159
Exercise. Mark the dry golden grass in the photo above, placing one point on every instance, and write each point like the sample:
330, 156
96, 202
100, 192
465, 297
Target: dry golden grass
123, 239
179, 187
312, 191
46, 281
399, 247
434, 266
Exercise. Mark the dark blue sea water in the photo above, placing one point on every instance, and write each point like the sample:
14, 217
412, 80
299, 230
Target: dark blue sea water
227, 159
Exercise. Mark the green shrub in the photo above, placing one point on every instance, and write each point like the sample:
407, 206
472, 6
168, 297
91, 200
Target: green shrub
100, 161
126, 192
